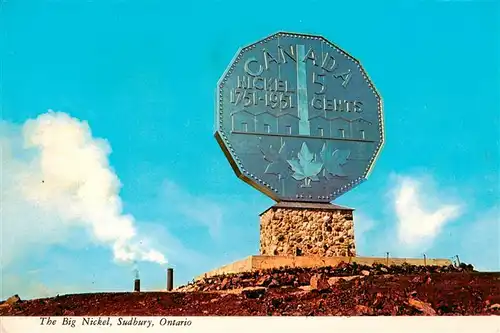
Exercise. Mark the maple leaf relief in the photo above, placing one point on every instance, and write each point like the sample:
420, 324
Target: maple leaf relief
306, 167
277, 160
334, 160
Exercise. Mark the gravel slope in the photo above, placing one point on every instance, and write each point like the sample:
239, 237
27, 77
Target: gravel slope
346, 290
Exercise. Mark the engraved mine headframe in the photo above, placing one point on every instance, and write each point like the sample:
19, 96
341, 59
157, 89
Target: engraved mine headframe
298, 118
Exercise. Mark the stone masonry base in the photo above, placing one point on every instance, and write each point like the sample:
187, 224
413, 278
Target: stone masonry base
307, 229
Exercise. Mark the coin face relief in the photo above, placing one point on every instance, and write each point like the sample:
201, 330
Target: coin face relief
298, 118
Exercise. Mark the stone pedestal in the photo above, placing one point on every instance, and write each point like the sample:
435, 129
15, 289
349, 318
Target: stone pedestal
307, 229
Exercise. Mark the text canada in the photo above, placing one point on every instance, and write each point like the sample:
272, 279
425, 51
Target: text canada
325, 62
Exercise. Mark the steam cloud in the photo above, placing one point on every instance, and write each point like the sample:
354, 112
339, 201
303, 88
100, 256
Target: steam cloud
68, 177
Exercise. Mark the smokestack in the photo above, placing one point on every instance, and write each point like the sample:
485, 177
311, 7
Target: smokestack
137, 281
170, 279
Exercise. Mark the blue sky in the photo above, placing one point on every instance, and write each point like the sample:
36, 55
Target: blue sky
143, 75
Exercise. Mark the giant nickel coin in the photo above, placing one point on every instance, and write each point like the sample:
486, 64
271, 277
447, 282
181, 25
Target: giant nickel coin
298, 118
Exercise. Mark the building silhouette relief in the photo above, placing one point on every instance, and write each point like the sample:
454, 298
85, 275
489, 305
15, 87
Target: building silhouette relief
288, 125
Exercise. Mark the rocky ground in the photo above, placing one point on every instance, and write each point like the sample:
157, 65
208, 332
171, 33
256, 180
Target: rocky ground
345, 290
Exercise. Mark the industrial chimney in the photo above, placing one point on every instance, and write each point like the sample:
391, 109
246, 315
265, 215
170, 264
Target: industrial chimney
137, 281
170, 279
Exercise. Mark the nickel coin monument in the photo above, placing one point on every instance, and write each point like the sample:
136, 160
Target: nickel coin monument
299, 119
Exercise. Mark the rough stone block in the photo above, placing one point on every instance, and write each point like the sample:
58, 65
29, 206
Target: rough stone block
288, 229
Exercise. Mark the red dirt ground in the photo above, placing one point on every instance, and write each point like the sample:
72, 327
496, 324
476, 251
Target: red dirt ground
293, 292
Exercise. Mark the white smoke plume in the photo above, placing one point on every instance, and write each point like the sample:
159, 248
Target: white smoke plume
59, 178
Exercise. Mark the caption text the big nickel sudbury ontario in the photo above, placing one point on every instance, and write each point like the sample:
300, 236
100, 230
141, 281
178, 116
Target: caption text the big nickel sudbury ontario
113, 321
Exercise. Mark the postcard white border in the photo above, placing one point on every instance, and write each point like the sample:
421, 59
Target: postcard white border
415, 324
